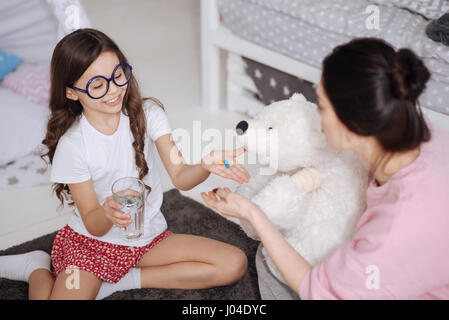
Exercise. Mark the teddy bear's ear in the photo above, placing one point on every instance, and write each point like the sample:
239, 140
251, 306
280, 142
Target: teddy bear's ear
297, 97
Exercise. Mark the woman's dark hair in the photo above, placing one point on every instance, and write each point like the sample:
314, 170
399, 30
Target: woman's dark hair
374, 90
71, 57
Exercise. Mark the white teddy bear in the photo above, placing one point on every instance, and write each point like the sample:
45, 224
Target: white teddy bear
313, 194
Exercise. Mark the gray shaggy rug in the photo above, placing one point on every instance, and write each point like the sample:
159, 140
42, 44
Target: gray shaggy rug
183, 215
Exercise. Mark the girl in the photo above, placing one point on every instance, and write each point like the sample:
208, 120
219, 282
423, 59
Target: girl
368, 98
98, 132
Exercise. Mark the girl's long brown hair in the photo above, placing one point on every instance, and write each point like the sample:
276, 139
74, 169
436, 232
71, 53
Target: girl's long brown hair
71, 57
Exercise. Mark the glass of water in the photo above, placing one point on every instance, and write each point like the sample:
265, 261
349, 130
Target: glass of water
130, 193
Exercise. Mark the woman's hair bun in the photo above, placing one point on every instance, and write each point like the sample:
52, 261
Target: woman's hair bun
411, 75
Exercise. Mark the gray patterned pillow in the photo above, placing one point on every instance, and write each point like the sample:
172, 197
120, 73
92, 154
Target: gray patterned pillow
274, 85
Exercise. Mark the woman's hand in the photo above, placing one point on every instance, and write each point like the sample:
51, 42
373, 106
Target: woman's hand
291, 265
213, 162
113, 213
230, 204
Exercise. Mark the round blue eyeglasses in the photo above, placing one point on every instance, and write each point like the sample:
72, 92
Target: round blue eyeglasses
98, 86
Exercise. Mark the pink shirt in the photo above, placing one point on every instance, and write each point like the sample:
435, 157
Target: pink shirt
400, 247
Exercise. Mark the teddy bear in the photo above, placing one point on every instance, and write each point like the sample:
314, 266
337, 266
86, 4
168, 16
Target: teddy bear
313, 195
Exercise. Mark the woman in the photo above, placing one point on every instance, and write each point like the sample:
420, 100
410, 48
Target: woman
368, 98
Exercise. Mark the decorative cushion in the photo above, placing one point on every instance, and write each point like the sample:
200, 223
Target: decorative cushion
30, 81
8, 63
274, 85
438, 30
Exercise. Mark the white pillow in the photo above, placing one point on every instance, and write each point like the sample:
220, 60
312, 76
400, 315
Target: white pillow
28, 29
22, 126
31, 29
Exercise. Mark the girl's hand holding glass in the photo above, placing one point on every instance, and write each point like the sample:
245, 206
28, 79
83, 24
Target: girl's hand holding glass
113, 213
222, 163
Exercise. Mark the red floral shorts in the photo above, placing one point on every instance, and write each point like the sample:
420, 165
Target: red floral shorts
107, 261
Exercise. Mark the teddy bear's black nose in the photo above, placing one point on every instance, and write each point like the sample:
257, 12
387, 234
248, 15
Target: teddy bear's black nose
241, 127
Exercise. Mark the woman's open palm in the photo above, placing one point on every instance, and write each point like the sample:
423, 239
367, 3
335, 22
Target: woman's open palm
229, 203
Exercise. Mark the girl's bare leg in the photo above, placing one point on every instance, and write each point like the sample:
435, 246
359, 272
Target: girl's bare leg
191, 262
70, 285
40, 284
75, 285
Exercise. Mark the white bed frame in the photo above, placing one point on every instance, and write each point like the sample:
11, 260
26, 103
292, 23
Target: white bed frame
217, 41
29, 213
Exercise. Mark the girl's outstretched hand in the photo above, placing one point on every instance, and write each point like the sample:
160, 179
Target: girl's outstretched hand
229, 203
214, 162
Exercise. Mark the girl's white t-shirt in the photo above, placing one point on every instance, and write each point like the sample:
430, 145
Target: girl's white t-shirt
84, 153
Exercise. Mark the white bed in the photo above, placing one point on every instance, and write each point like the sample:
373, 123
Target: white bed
29, 29
219, 42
